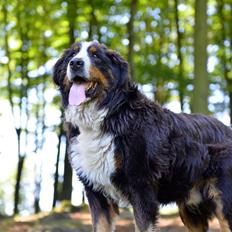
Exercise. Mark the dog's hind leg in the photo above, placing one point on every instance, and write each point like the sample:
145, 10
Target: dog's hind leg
223, 211
224, 223
221, 190
193, 218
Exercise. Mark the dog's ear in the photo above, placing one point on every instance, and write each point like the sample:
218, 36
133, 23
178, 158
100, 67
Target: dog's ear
120, 67
59, 70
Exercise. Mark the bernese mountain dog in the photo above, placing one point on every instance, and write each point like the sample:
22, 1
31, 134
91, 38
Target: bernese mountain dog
129, 151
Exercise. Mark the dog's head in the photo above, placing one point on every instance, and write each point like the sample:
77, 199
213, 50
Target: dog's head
89, 71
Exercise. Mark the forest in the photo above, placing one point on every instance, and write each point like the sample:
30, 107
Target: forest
179, 52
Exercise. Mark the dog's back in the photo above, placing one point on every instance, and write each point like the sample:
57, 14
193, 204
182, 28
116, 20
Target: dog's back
202, 128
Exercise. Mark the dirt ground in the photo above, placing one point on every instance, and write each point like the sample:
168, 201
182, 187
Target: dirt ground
81, 222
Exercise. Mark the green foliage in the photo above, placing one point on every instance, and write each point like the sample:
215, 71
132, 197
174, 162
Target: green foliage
38, 31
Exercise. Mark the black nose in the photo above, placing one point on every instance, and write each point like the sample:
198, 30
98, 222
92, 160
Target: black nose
76, 63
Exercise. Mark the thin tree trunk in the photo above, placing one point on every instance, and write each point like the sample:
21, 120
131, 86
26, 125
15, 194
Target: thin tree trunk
7, 50
36, 137
19, 174
201, 83
36, 200
39, 140
56, 177
181, 85
230, 59
22, 106
225, 62
17, 186
40, 127
71, 16
67, 182
159, 92
131, 37
18, 130
230, 102
83, 197
94, 28
92, 20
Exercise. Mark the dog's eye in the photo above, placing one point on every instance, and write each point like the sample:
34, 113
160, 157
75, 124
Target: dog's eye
95, 55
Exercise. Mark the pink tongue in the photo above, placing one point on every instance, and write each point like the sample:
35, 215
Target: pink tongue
77, 94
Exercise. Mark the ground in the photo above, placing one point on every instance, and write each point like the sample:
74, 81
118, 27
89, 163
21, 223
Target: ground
81, 222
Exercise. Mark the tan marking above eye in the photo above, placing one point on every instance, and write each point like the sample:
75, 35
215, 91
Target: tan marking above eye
93, 49
95, 73
76, 48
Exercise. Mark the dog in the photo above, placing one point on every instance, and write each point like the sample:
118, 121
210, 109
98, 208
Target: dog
129, 151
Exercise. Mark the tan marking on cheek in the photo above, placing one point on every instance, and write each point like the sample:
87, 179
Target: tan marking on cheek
93, 49
67, 84
96, 74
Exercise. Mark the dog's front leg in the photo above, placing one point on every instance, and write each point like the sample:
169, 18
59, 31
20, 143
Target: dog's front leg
145, 206
103, 212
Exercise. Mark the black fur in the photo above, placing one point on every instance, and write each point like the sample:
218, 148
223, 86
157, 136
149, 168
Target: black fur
161, 155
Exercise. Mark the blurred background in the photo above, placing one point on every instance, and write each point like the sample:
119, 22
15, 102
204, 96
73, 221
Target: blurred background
179, 51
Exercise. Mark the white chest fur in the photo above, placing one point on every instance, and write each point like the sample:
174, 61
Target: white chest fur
92, 152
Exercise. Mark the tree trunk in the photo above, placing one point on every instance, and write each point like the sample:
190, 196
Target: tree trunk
23, 105
94, 28
181, 85
19, 174
40, 126
18, 130
230, 59
131, 37
37, 145
159, 91
71, 16
37, 196
7, 50
17, 186
56, 177
67, 182
200, 92
226, 63
230, 103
